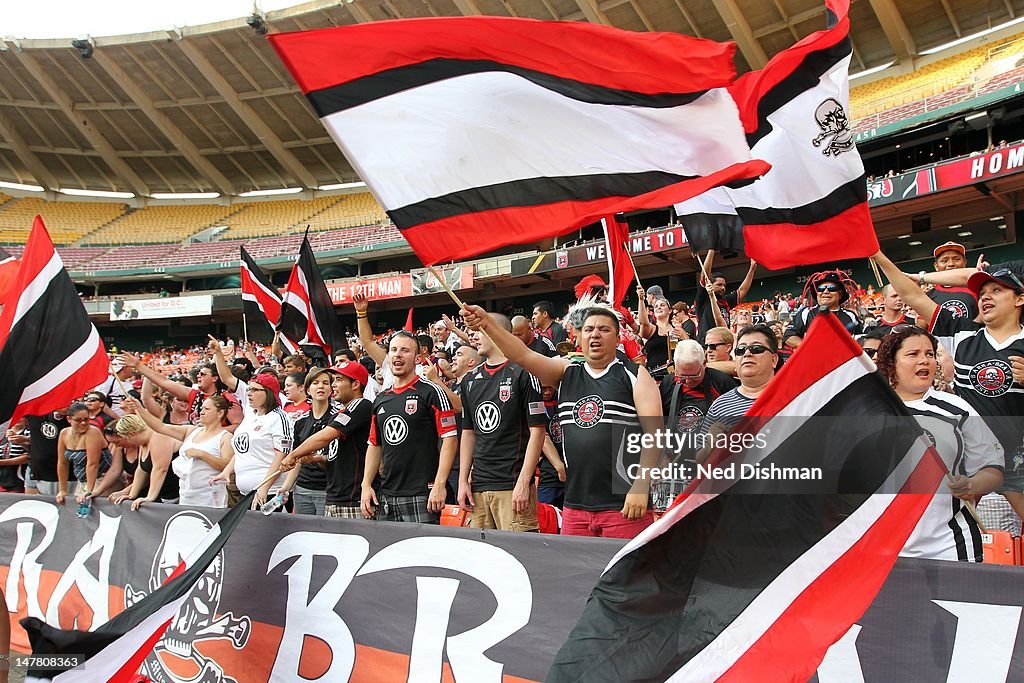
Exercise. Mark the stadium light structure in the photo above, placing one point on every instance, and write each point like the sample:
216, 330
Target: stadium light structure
21, 186
185, 195
269, 193
872, 70
106, 194
973, 36
342, 186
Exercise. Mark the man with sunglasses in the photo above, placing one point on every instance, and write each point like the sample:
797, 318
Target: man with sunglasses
756, 357
988, 357
829, 291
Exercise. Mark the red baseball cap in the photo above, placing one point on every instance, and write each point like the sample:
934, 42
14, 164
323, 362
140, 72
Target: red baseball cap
268, 381
949, 246
353, 370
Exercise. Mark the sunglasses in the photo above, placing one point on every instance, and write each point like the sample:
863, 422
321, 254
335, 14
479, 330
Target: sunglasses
755, 349
1007, 273
712, 347
827, 288
870, 353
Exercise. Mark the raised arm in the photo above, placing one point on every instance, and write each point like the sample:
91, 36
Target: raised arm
223, 369
149, 397
744, 287
908, 290
374, 350
647, 330
547, 370
178, 432
454, 329
173, 388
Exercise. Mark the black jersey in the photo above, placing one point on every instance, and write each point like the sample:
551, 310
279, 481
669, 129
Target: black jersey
984, 377
42, 454
806, 315
685, 407
346, 455
548, 473
599, 422
407, 423
904, 320
543, 346
311, 475
555, 333
959, 301
500, 403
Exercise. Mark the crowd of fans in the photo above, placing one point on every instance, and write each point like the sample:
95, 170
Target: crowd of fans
505, 417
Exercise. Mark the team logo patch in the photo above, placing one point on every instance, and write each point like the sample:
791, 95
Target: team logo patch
410, 406
561, 259
690, 418
991, 378
487, 417
588, 411
504, 392
956, 308
835, 135
49, 430
395, 430
555, 431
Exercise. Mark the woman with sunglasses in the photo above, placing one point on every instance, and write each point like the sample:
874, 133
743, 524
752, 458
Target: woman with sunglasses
99, 413
988, 356
82, 449
830, 289
968, 448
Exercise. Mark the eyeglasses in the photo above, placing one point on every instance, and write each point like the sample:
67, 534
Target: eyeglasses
712, 346
78, 419
1006, 272
755, 349
91, 400
253, 390
870, 353
696, 376
827, 288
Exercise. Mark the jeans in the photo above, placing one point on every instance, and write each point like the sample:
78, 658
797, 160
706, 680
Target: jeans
309, 501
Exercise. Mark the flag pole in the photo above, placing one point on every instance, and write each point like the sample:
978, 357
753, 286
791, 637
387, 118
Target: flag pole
636, 273
969, 504
878, 276
454, 296
245, 327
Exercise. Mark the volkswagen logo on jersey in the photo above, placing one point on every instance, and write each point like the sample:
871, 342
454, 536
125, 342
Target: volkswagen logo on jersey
956, 308
395, 430
690, 418
410, 406
49, 430
588, 411
992, 377
488, 417
241, 443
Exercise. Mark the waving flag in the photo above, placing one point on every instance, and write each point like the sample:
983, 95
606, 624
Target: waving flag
307, 312
260, 298
8, 269
115, 650
50, 353
744, 580
812, 206
482, 132
620, 266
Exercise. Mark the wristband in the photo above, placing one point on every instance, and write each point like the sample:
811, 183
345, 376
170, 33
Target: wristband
360, 315
920, 279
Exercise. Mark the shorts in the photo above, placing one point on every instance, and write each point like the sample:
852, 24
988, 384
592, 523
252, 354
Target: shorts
343, 511
406, 509
30, 483
493, 510
47, 488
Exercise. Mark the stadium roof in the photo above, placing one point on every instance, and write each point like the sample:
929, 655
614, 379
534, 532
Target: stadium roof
210, 108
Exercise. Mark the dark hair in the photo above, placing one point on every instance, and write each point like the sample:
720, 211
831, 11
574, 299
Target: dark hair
297, 377
77, 407
885, 357
715, 276
762, 328
241, 372
347, 353
425, 341
545, 307
103, 397
212, 367
272, 399
602, 311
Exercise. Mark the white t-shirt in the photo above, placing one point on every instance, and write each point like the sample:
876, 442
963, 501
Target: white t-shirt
254, 443
194, 474
947, 531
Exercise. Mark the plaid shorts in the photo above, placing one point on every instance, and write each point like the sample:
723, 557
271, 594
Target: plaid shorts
406, 509
343, 511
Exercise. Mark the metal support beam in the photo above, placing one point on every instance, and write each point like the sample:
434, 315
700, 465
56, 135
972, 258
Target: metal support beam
741, 33
81, 121
358, 12
895, 28
592, 12
36, 167
467, 8
247, 115
952, 18
161, 121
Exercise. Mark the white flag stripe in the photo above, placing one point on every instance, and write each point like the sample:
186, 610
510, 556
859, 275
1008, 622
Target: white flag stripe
775, 432
764, 610
36, 288
510, 129
65, 369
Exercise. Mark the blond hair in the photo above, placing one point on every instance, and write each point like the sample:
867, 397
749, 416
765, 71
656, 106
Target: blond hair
129, 425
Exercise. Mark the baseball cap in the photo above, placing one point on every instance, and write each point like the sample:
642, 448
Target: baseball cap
353, 370
116, 364
949, 246
655, 290
1006, 274
268, 381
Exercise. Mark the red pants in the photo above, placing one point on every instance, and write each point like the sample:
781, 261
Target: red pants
604, 523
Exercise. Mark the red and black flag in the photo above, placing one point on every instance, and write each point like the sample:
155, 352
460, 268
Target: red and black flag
50, 352
8, 269
620, 265
260, 298
537, 128
812, 205
114, 651
307, 312
752, 579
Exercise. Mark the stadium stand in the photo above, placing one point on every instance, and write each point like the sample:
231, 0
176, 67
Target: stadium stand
259, 219
155, 224
351, 211
66, 221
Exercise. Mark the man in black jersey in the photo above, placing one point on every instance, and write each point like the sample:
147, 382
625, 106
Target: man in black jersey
687, 395
545, 324
43, 432
604, 404
503, 425
342, 443
408, 421
988, 357
535, 342
893, 314
726, 301
958, 300
551, 487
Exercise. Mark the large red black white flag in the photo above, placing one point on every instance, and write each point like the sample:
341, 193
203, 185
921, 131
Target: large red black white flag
114, 652
8, 269
261, 300
50, 352
307, 312
752, 579
812, 205
480, 132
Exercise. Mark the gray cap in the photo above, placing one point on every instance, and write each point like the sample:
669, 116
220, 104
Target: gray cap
655, 290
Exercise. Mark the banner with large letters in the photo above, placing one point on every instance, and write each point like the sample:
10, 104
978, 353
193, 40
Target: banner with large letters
305, 598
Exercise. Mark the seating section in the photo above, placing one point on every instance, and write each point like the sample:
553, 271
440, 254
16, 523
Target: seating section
66, 222
155, 224
259, 219
351, 211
